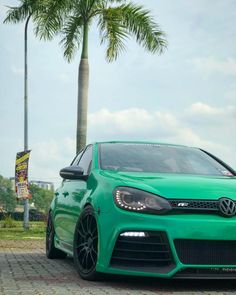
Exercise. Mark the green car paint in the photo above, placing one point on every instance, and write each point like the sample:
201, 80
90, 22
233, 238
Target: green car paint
97, 190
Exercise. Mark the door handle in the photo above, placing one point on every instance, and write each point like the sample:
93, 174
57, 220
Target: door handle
65, 194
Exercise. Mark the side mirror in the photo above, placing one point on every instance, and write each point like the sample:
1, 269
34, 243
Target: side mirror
73, 173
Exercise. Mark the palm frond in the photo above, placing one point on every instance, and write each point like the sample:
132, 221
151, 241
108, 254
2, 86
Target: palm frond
50, 18
108, 2
140, 23
72, 35
18, 14
112, 31
101, 5
85, 8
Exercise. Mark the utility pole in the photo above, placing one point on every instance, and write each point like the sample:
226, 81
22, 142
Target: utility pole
26, 201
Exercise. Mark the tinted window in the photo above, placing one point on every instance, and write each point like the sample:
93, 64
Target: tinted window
158, 159
86, 160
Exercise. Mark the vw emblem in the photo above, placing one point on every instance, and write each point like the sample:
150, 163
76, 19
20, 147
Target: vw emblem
227, 207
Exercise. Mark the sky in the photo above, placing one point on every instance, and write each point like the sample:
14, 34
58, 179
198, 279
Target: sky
185, 96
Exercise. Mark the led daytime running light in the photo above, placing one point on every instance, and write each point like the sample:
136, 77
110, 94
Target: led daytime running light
133, 234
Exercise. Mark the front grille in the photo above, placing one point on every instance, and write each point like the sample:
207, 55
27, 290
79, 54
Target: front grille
187, 204
150, 253
206, 252
206, 273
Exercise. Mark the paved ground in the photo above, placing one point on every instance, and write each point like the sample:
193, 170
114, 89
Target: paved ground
24, 270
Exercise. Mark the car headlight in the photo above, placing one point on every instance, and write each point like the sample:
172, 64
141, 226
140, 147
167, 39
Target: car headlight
132, 199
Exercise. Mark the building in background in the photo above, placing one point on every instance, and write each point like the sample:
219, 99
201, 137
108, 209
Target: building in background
12, 179
43, 184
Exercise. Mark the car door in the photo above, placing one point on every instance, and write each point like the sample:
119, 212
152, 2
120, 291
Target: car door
73, 192
61, 204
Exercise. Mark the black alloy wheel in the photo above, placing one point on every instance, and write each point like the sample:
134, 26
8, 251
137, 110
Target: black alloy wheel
51, 251
86, 245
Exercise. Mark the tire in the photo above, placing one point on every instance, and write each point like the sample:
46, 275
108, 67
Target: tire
86, 245
51, 251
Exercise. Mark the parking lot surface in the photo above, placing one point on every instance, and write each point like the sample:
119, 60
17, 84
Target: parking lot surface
24, 269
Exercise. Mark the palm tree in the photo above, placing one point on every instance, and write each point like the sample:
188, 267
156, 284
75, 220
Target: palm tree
117, 20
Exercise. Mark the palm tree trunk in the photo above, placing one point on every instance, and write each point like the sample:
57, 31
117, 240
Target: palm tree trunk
83, 84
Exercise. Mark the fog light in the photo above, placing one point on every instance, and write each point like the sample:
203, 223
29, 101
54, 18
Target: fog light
139, 234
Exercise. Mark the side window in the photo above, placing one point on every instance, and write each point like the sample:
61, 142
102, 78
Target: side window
77, 158
86, 160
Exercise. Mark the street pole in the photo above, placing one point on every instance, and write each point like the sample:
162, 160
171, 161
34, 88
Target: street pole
26, 201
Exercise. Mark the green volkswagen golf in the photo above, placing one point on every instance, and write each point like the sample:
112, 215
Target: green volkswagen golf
145, 209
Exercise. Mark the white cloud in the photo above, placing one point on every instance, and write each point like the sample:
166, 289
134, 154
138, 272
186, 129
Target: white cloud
48, 157
126, 121
17, 71
200, 108
64, 78
141, 124
211, 65
210, 117
231, 95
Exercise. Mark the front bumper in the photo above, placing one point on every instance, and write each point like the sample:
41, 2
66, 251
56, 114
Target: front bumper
175, 227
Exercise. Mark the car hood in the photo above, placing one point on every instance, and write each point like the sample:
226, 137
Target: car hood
178, 186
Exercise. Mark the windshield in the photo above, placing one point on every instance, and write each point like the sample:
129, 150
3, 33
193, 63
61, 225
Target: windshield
155, 158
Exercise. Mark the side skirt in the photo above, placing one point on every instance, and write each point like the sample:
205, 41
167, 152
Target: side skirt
64, 246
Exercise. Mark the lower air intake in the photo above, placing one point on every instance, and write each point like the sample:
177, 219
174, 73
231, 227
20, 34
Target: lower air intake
210, 252
147, 252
